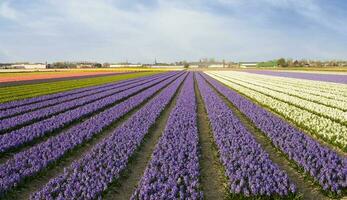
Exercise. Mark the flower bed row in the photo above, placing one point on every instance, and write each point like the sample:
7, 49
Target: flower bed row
31, 161
173, 172
30, 132
247, 166
327, 168
88, 177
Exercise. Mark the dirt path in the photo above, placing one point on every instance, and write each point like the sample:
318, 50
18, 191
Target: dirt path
124, 187
213, 181
305, 187
36, 182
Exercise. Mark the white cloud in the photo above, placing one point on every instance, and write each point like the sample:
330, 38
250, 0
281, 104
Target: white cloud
170, 30
7, 12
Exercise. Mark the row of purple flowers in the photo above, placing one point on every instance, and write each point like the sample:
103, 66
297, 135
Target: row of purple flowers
173, 172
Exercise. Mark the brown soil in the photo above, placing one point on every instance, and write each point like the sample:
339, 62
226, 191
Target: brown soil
213, 181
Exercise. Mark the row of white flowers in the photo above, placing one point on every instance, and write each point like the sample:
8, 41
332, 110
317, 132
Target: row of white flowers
328, 130
327, 87
319, 109
292, 90
333, 99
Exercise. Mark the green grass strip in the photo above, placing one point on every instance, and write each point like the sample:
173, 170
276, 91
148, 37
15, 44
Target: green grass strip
12, 93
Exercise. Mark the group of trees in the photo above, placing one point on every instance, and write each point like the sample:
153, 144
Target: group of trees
63, 65
293, 63
282, 62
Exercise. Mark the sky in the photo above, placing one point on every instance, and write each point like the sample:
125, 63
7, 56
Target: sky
171, 30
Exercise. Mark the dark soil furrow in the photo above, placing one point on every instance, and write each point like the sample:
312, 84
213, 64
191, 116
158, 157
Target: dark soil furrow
213, 181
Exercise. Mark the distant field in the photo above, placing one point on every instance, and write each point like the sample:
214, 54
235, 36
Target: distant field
28, 76
123, 69
31, 90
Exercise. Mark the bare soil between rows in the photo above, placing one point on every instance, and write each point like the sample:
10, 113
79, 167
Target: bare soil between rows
213, 181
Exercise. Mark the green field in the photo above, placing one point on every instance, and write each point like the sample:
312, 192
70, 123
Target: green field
12, 93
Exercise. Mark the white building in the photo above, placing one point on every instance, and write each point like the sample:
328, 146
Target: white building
29, 66
125, 65
167, 66
248, 64
80, 66
216, 65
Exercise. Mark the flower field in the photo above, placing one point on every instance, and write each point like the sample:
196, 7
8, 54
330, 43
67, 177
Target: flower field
14, 77
18, 92
324, 121
139, 136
